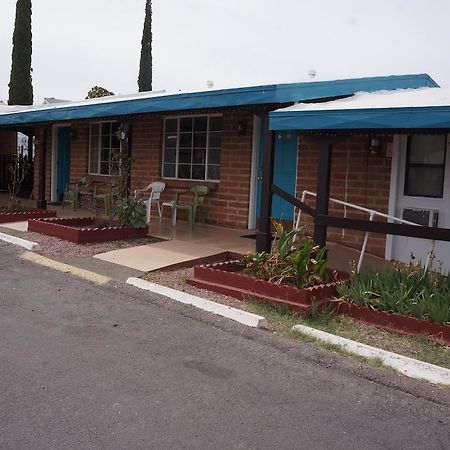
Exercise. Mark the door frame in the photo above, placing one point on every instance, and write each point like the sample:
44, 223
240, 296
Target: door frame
252, 207
54, 167
396, 196
256, 143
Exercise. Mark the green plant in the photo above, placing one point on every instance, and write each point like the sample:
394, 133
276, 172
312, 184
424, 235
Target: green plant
294, 259
131, 212
407, 290
20, 84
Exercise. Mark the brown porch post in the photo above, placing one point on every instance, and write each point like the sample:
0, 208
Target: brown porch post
41, 202
264, 237
323, 187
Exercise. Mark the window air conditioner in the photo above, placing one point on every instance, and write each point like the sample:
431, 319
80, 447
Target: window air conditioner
424, 217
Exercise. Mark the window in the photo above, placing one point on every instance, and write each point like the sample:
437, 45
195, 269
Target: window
104, 148
192, 147
425, 166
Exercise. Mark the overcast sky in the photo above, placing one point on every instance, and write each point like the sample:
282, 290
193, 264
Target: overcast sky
81, 43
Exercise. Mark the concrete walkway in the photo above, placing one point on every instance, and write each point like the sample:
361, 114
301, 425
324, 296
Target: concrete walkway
181, 246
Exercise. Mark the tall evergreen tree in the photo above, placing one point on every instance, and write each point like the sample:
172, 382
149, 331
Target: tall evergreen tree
20, 85
145, 67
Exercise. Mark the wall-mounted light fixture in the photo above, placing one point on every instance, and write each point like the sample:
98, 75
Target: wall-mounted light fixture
121, 134
374, 146
242, 128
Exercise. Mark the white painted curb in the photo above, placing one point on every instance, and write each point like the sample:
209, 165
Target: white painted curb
408, 366
32, 246
244, 317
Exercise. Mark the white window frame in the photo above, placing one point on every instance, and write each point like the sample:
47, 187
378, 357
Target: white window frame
99, 122
189, 116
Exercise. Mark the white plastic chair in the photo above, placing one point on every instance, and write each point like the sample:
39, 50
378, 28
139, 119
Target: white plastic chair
155, 190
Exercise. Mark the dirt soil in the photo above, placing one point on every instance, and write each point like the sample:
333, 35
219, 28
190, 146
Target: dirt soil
176, 279
53, 246
5, 209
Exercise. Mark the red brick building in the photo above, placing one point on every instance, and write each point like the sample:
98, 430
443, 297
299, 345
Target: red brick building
213, 138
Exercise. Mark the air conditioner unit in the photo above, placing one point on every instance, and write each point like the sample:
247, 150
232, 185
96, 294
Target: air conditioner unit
424, 217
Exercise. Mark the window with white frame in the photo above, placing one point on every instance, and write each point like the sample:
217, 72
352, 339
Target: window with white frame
425, 165
104, 148
192, 147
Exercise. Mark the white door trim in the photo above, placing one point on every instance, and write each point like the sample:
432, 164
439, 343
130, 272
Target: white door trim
54, 165
398, 146
395, 246
252, 207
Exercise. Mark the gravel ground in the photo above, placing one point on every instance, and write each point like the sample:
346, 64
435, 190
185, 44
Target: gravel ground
176, 279
52, 246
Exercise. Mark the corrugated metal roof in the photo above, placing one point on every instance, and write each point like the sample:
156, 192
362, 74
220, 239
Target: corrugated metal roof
215, 98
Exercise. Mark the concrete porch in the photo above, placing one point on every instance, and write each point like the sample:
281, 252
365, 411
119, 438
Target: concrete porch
181, 245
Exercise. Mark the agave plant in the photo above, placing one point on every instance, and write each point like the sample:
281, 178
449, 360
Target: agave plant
294, 259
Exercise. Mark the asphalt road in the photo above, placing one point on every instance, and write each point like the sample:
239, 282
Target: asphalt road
88, 367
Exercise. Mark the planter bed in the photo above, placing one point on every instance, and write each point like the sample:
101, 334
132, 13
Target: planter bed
227, 278
19, 216
81, 230
412, 326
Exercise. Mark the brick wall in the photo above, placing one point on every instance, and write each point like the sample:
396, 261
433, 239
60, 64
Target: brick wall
227, 204
368, 183
8, 142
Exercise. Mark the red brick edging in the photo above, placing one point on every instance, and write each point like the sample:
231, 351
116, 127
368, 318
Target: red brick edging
226, 278
70, 230
412, 326
19, 216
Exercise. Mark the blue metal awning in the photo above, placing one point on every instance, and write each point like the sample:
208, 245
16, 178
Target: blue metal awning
403, 109
431, 117
256, 95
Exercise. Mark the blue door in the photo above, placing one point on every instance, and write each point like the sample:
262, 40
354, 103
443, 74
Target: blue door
63, 176
284, 174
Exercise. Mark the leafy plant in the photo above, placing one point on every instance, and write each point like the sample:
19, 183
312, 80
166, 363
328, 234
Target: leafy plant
131, 212
407, 290
294, 259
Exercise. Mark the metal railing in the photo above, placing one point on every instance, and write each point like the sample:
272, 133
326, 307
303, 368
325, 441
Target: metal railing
372, 214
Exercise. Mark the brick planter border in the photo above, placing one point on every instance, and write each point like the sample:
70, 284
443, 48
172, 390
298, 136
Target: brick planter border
226, 278
71, 230
19, 216
411, 326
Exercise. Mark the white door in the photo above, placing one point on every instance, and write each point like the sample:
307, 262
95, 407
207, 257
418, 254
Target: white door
422, 164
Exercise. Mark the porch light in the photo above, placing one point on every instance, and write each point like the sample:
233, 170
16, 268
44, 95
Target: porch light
374, 146
121, 134
242, 128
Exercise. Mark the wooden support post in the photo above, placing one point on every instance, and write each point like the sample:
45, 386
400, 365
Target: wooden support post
41, 201
323, 187
264, 236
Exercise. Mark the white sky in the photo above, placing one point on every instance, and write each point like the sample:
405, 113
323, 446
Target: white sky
81, 43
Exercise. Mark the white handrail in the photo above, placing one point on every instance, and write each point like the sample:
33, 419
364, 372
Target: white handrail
372, 213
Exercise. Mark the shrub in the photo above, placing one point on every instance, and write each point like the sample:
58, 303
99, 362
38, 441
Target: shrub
131, 212
294, 259
406, 290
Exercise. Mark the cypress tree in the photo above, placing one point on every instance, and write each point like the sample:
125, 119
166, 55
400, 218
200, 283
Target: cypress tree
20, 85
145, 67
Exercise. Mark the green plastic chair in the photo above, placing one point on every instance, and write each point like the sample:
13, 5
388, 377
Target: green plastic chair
108, 197
198, 195
76, 189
